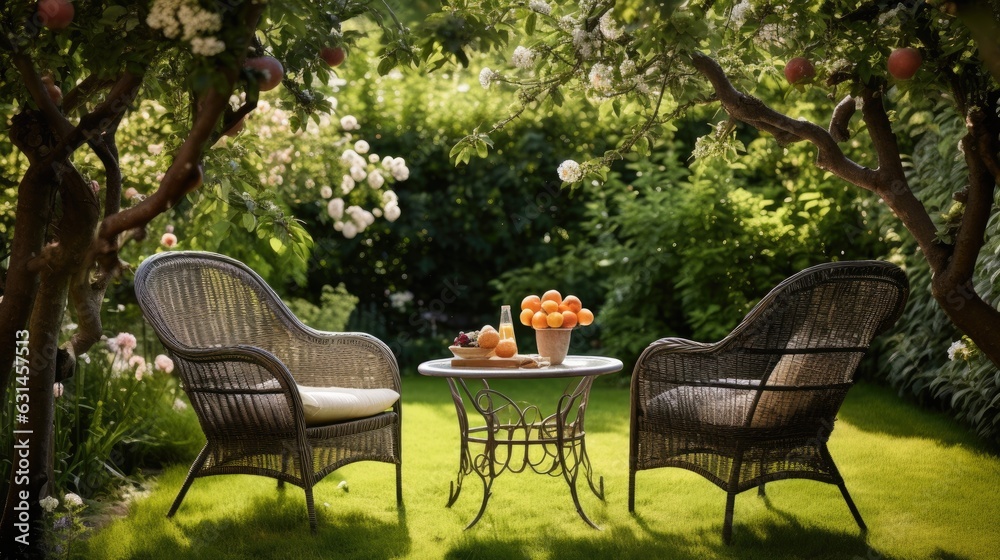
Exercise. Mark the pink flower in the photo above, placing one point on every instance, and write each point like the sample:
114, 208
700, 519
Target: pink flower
57, 390
164, 363
168, 240
131, 193
124, 343
95, 186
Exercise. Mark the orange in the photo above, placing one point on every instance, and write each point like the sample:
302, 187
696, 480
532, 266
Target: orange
539, 320
552, 295
488, 338
569, 319
487, 328
532, 302
585, 316
526, 315
573, 303
555, 320
550, 306
507, 348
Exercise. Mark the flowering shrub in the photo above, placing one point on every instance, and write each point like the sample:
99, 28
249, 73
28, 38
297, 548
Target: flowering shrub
64, 525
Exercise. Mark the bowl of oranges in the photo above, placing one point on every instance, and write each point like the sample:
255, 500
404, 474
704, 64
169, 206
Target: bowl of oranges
554, 317
483, 343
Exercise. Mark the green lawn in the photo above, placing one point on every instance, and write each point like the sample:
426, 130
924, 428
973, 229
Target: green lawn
925, 487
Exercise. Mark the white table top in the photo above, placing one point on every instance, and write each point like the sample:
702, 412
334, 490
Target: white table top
572, 366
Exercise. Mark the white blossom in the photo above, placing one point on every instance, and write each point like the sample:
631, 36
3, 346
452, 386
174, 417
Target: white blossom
958, 349
179, 405
349, 122
570, 171
325, 191
350, 230
373, 158
400, 172
609, 27
487, 76
207, 46
347, 184
361, 147
57, 390
48, 503
601, 76
540, 6
739, 13
335, 208
392, 211
358, 173
523, 57
72, 500
389, 196
375, 179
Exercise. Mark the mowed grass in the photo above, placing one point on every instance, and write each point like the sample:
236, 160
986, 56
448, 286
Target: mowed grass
925, 487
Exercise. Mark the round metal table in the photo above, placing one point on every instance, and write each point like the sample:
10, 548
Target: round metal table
516, 435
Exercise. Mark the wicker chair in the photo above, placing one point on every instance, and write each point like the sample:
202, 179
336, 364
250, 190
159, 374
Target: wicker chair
240, 354
760, 404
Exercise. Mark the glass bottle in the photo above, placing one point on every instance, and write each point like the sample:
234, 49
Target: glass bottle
506, 323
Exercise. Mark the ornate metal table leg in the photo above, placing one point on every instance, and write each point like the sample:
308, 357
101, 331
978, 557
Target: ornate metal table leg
482, 466
572, 452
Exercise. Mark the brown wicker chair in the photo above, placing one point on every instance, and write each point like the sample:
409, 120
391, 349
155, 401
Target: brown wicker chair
239, 352
760, 404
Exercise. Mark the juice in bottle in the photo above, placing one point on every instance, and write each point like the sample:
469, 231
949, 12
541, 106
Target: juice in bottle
506, 324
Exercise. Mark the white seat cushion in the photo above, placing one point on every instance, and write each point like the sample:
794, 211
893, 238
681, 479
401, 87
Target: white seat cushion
323, 405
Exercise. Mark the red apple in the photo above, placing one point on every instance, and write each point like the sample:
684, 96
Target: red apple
333, 56
799, 70
54, 91
903, 63
55, 14
270, 67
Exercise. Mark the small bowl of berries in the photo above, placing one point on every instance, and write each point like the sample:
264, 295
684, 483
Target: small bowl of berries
467, 346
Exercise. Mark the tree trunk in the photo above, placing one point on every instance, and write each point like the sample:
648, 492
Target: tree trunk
27, 487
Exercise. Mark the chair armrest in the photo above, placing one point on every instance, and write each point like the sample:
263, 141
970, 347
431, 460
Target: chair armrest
347, 359
223, 383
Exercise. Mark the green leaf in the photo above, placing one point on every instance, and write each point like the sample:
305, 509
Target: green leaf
249, 222
276, 245
529, 24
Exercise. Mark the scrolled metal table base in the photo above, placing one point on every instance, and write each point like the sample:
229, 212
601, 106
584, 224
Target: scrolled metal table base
517, 437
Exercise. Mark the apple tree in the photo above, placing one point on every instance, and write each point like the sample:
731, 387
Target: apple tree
70, 74
646, 64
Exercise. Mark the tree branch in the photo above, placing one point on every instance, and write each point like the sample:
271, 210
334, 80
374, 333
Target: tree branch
754, 112
980, 145
893, 186
841, 119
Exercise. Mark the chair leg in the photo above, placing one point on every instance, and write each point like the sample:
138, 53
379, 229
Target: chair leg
311, 508
631, 490
399, 484
731, 491
825, 453
284, 469
192, 473
727, 526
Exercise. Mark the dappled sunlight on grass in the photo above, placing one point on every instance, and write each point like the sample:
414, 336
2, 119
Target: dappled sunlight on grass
926, 492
